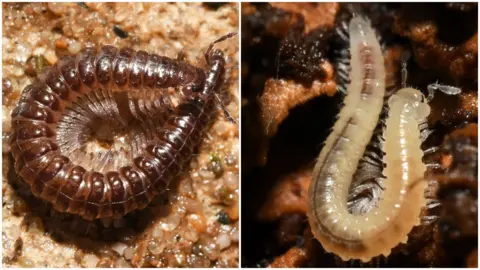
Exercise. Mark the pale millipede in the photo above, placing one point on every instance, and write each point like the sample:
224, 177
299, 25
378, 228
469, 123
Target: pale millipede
327, 211
375, 231
93, 74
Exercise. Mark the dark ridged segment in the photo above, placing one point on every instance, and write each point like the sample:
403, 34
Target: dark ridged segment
38, 150
55, 81
92, 206
86, 68
173, 137
22, 146
118, 194
79, 200
137, 69
34, 111
43, 96
163, 153
148, 165
122, 67
106, 201
74, 180
69, 72
129, 199
150, 77
48, 176
159, 161
32, 130
104, 64
133, 177
69, 187
31, 172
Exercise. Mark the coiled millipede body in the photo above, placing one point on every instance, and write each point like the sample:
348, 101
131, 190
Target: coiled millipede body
97, 75
378, 231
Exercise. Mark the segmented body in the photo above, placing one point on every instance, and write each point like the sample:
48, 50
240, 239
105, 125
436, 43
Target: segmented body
377, 231
91, 194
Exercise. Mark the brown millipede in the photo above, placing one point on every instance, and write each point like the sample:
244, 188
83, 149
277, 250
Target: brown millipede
96, 76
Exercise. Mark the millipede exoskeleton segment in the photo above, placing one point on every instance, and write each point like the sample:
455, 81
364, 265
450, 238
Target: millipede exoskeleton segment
89, 95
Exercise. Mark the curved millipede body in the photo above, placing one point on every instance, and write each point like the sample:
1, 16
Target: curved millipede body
55, 177
382, 228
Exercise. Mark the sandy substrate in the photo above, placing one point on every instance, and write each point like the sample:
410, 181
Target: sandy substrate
196, 223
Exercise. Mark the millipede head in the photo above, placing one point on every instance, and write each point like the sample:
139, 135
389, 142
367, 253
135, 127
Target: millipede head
413, 99
211, 54
216, 68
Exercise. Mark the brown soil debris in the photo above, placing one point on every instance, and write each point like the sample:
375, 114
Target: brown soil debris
289, 196
282, 64
293, 258
454, 111
264, 19
455, 232
469, 130
289, 228
315, 14
461, 148
439, 44
472, 260
280, 96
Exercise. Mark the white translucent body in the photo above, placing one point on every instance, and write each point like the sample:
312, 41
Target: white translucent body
378, 231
